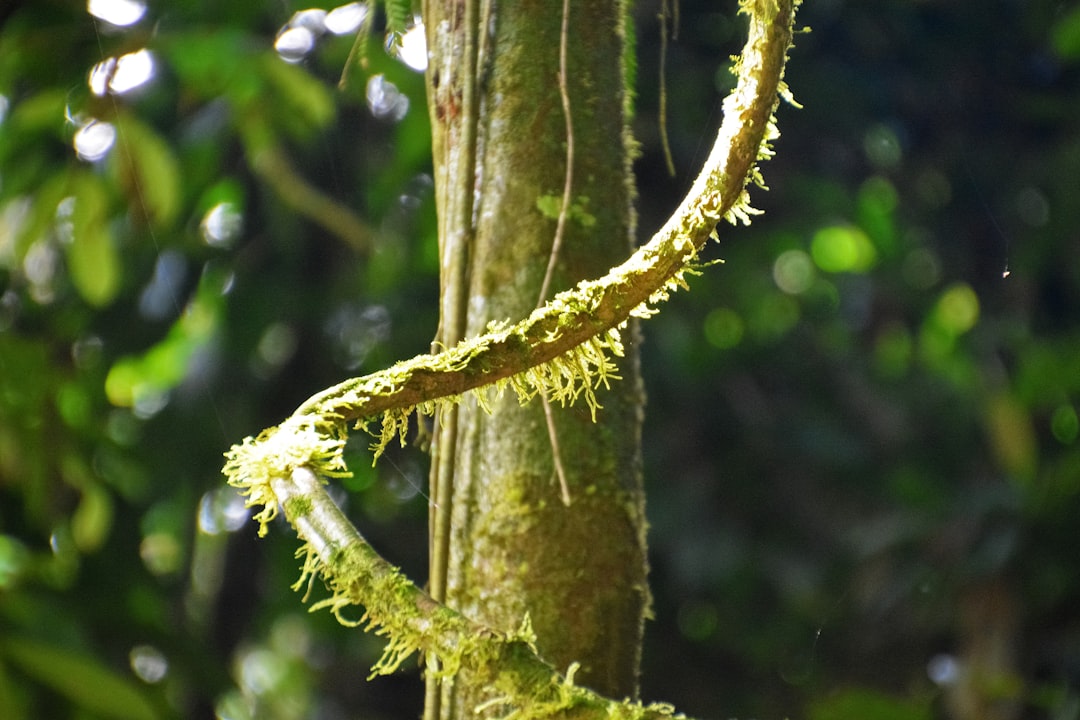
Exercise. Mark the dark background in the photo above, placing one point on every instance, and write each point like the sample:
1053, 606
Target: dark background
862, 437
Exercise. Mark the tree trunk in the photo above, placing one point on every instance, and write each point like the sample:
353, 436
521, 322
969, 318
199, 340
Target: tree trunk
504, 544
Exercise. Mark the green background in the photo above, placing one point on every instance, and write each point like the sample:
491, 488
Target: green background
862, 437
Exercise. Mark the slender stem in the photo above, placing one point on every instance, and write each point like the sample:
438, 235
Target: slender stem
560, 233
662, 112
456, 238
568, 183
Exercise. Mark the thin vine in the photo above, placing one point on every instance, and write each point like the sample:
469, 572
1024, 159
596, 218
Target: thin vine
563, 348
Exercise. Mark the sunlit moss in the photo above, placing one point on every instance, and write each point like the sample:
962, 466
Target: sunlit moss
300, 441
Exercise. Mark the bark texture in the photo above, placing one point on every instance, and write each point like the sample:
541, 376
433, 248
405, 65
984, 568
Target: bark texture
579, 572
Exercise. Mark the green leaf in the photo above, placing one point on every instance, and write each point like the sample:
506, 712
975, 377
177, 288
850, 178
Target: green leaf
92, 519
93, 262
144, 165
213, 63
14, 560
34, 123
398, 15
80, 678
42, 111
166, 364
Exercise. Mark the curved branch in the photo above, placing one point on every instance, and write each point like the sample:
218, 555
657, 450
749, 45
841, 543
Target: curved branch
560, 350
596, 307
395, 607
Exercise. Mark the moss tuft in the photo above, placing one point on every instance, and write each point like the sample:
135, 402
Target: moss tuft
300, 441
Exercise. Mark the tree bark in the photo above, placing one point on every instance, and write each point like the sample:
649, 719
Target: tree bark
500, 140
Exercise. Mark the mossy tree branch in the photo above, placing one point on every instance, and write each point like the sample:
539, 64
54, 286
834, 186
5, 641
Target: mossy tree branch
521, 684
593, 311
561, 350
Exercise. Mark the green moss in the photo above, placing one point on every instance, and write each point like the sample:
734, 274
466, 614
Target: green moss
314, 437
551, 205
297, 506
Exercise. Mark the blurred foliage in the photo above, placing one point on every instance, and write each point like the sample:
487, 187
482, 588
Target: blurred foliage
864, 467
862, 437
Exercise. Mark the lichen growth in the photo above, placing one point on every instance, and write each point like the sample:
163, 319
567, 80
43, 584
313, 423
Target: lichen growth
576, 373
563, 694
341, 579
301, 440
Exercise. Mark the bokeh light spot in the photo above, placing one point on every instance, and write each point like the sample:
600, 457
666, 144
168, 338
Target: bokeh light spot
276, 347
148, 663
957, 309
161, 553
842, 248
384, 100
880, 194
793, 272
773, 316
724, 328
345, 19
697, 620
294, 43
221, 225
1033, 207
120, 13
94, 140
122, 75
882, 147
921, 268
943, 670
412, 48
1065, 425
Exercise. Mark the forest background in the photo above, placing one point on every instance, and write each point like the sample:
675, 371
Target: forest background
861, 442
